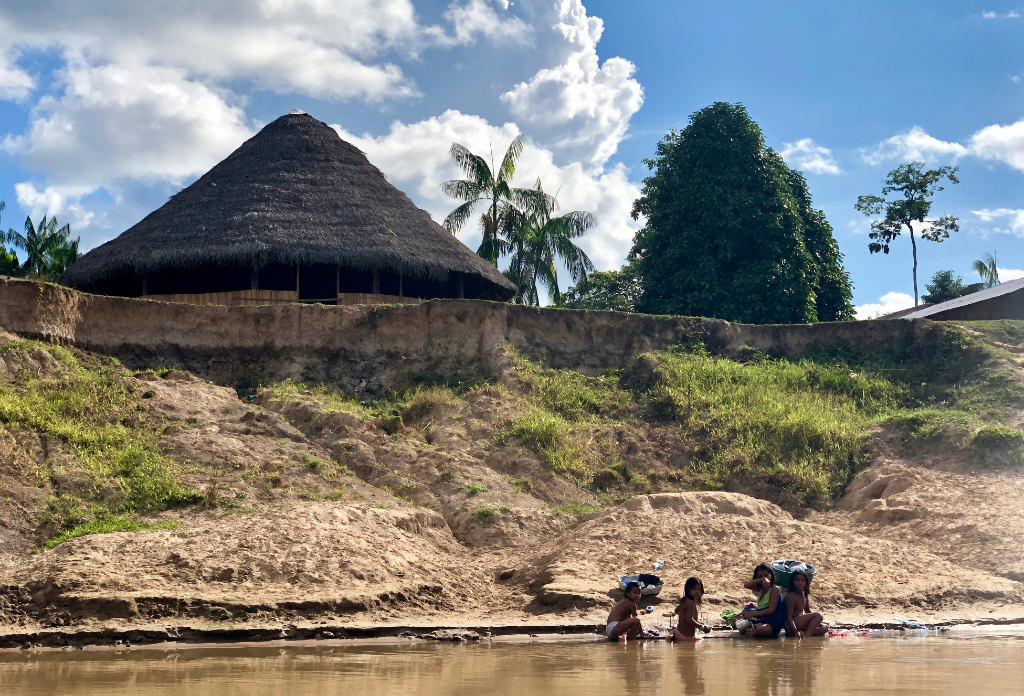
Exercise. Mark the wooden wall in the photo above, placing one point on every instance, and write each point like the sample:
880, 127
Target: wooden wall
252, 298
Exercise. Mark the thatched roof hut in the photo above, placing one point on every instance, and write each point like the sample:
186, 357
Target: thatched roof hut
295, 213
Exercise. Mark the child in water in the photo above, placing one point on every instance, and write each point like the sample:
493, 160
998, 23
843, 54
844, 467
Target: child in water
693, 590
770, 615
800, 621
623, 622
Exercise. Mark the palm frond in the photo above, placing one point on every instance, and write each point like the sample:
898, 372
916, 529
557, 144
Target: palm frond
474, 166
457, 218
507, 169
463, 189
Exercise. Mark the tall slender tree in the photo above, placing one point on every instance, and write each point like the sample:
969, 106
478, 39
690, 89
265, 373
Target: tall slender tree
987, 268
906, 202
48, 248
539, 241
493, 187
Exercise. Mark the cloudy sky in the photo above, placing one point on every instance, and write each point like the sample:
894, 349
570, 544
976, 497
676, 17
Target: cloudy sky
107, 107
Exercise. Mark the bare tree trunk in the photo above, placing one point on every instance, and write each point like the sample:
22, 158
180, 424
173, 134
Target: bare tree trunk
913, 246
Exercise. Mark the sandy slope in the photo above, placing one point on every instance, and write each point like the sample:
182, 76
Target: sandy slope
362, 564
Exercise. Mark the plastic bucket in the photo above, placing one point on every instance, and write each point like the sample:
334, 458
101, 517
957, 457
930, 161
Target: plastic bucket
784, 571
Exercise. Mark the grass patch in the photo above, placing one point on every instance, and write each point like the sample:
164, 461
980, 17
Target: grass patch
486, 512
552, 439
574, 509
570, 394
922, 426
1008, 331
105, 524
793, 426
474, 489
998, 444
102, 459
328, 399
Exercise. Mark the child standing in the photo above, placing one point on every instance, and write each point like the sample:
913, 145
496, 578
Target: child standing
693, 590
800, 621
623, 622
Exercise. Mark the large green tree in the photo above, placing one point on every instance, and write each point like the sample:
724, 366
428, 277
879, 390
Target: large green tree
485, 185
726, 234
539, 241
48, 248
946, 286
618, 290
906, 202
833, 292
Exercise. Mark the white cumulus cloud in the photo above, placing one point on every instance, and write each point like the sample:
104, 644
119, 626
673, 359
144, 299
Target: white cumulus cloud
1010, 273
15, 83
324, 49
54, 201
414, 157
581, 105
1002, 143
887, 303
808, 156
1003, 220
914, 144
473, 18
115, 122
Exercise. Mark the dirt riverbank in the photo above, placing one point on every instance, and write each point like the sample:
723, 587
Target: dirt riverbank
296, 514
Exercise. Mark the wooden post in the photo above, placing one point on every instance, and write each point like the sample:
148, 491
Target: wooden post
376, 282
254, 278
297, 266
462, 286
337, 281
145, 284
400, 284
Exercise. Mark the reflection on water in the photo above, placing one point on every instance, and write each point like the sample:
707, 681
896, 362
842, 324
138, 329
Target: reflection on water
873, 665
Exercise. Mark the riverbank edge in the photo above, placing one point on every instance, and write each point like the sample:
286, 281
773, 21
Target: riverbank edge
127, 637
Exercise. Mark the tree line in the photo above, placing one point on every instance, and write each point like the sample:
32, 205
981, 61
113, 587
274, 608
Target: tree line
730, 231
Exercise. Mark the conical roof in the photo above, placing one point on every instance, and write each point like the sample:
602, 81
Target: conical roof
294, 193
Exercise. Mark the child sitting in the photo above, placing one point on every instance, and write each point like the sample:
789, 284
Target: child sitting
622, 619
770, 615
800, 621
693, 590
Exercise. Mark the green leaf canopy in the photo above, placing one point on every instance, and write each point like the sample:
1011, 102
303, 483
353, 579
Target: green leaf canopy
730, 230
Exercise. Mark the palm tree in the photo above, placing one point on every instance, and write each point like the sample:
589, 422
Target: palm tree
986, 268
48, 249
485, 185
539, 241
8, 261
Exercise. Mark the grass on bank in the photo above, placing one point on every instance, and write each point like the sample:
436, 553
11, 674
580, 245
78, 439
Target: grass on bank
102, 462
781, 428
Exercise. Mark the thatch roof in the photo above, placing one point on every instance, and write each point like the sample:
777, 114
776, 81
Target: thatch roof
294, 193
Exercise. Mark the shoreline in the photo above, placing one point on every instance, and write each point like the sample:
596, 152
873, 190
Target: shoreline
127, 637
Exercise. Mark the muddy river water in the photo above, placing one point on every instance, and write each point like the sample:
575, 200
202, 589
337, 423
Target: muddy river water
961, 664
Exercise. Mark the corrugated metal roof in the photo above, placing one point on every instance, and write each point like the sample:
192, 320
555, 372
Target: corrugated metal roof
975, 297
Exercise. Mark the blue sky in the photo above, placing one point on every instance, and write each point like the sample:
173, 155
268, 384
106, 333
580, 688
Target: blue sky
107, 108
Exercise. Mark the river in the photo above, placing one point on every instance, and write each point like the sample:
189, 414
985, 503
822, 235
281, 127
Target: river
877, 664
